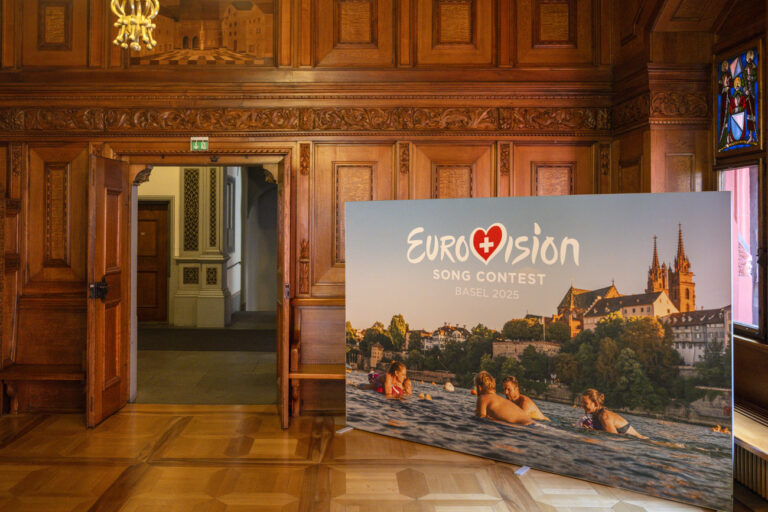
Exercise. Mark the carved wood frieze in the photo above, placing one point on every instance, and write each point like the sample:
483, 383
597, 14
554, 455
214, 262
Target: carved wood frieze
632, 111
682, 106
504, 158
605, 159
17, 158
110, 121
304, 267
554, 119
304, 157
143, 175
404, 158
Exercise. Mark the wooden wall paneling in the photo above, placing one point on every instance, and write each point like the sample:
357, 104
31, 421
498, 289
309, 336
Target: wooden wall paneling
52, 330
504, 169
739, 21
545, 169
354, 33
506, 32
404, 33
604, 27
689, 15
55, 33
323, 396
99, 32
302, 223
305, 33
403, 169
631, 162
630, 175
50, 396
446, 170
16, 172
680, 159
321, 329
556, 32
8, 45
455, 32
285, 33
55, 231
342, 173
4, 340
603, 168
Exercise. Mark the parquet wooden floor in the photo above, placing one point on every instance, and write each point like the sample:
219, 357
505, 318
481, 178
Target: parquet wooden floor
170, 458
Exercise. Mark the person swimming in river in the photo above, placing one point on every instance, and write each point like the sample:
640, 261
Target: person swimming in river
600, 418
512, 391
393, 384
492, 406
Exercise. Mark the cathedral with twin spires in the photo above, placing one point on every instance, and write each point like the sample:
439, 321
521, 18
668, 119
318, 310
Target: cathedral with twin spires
676, 281
670, 290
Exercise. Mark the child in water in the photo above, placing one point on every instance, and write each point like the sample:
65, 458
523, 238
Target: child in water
490, 405
393, 384
512, 391
600, 418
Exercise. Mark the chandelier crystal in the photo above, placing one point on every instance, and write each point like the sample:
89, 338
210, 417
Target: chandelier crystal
134, 19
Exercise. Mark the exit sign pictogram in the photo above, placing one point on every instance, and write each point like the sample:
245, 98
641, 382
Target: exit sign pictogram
198, 143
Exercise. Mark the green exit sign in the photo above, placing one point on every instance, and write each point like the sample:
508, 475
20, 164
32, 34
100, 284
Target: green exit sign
198, 143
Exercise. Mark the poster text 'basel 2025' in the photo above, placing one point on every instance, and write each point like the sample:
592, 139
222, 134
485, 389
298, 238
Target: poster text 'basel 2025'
584, 335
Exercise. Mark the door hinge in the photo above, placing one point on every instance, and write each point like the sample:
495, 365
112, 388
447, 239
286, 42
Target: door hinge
98, 290
287, 290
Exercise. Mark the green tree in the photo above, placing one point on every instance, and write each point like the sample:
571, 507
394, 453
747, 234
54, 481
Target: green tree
522, 329
375, 334
397, 330
350, 334
535, 364
414, 341
633, 389
482, 331
415, 360
606, 363
567, 370
610, 326
714, 369
558, 331
653, 348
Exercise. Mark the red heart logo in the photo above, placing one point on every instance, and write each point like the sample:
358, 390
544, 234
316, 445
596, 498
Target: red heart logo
486, 243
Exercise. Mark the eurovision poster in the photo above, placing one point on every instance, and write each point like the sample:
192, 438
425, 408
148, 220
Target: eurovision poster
583, 335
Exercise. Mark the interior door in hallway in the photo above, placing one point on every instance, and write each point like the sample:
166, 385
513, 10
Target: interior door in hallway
152, 262
108, 340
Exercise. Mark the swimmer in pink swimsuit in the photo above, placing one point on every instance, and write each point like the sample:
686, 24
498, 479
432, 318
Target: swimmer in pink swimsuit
393, 384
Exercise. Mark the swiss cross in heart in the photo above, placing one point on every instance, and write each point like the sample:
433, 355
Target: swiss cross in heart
488, 243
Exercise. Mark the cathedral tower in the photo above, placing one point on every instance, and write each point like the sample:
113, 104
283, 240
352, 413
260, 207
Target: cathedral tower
681, 286
657, 275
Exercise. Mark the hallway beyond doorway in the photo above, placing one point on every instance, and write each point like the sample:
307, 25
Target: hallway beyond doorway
235, 365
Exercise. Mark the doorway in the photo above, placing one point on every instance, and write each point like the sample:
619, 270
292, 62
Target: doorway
206, 264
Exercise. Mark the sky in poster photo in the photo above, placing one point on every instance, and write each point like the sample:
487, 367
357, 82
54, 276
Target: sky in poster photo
615, 238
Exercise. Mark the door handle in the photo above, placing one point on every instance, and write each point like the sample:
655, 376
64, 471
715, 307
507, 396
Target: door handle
99, 289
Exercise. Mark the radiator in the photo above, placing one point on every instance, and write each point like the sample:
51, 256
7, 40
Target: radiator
750, 464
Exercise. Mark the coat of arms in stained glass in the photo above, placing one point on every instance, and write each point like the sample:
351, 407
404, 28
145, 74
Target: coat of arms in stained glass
738, 113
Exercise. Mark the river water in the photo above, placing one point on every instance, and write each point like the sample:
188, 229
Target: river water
699, 473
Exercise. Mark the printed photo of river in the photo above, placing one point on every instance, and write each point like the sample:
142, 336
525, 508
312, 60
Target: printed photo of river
589, 336
698, 471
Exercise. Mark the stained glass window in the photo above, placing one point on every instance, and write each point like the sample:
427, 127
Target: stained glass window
738, 118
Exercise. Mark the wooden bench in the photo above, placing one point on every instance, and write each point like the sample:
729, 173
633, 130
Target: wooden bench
311, 372
14, 373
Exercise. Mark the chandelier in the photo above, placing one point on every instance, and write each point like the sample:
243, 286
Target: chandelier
134, 19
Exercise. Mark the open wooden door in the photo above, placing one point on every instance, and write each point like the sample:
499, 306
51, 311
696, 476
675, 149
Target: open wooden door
108, 290
283, 286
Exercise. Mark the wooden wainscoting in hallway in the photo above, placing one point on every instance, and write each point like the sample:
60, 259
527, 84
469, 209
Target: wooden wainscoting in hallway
237, 458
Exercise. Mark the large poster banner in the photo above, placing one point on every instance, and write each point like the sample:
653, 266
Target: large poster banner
583, 335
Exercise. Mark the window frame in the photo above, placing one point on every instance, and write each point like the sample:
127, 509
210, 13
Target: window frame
725, 164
